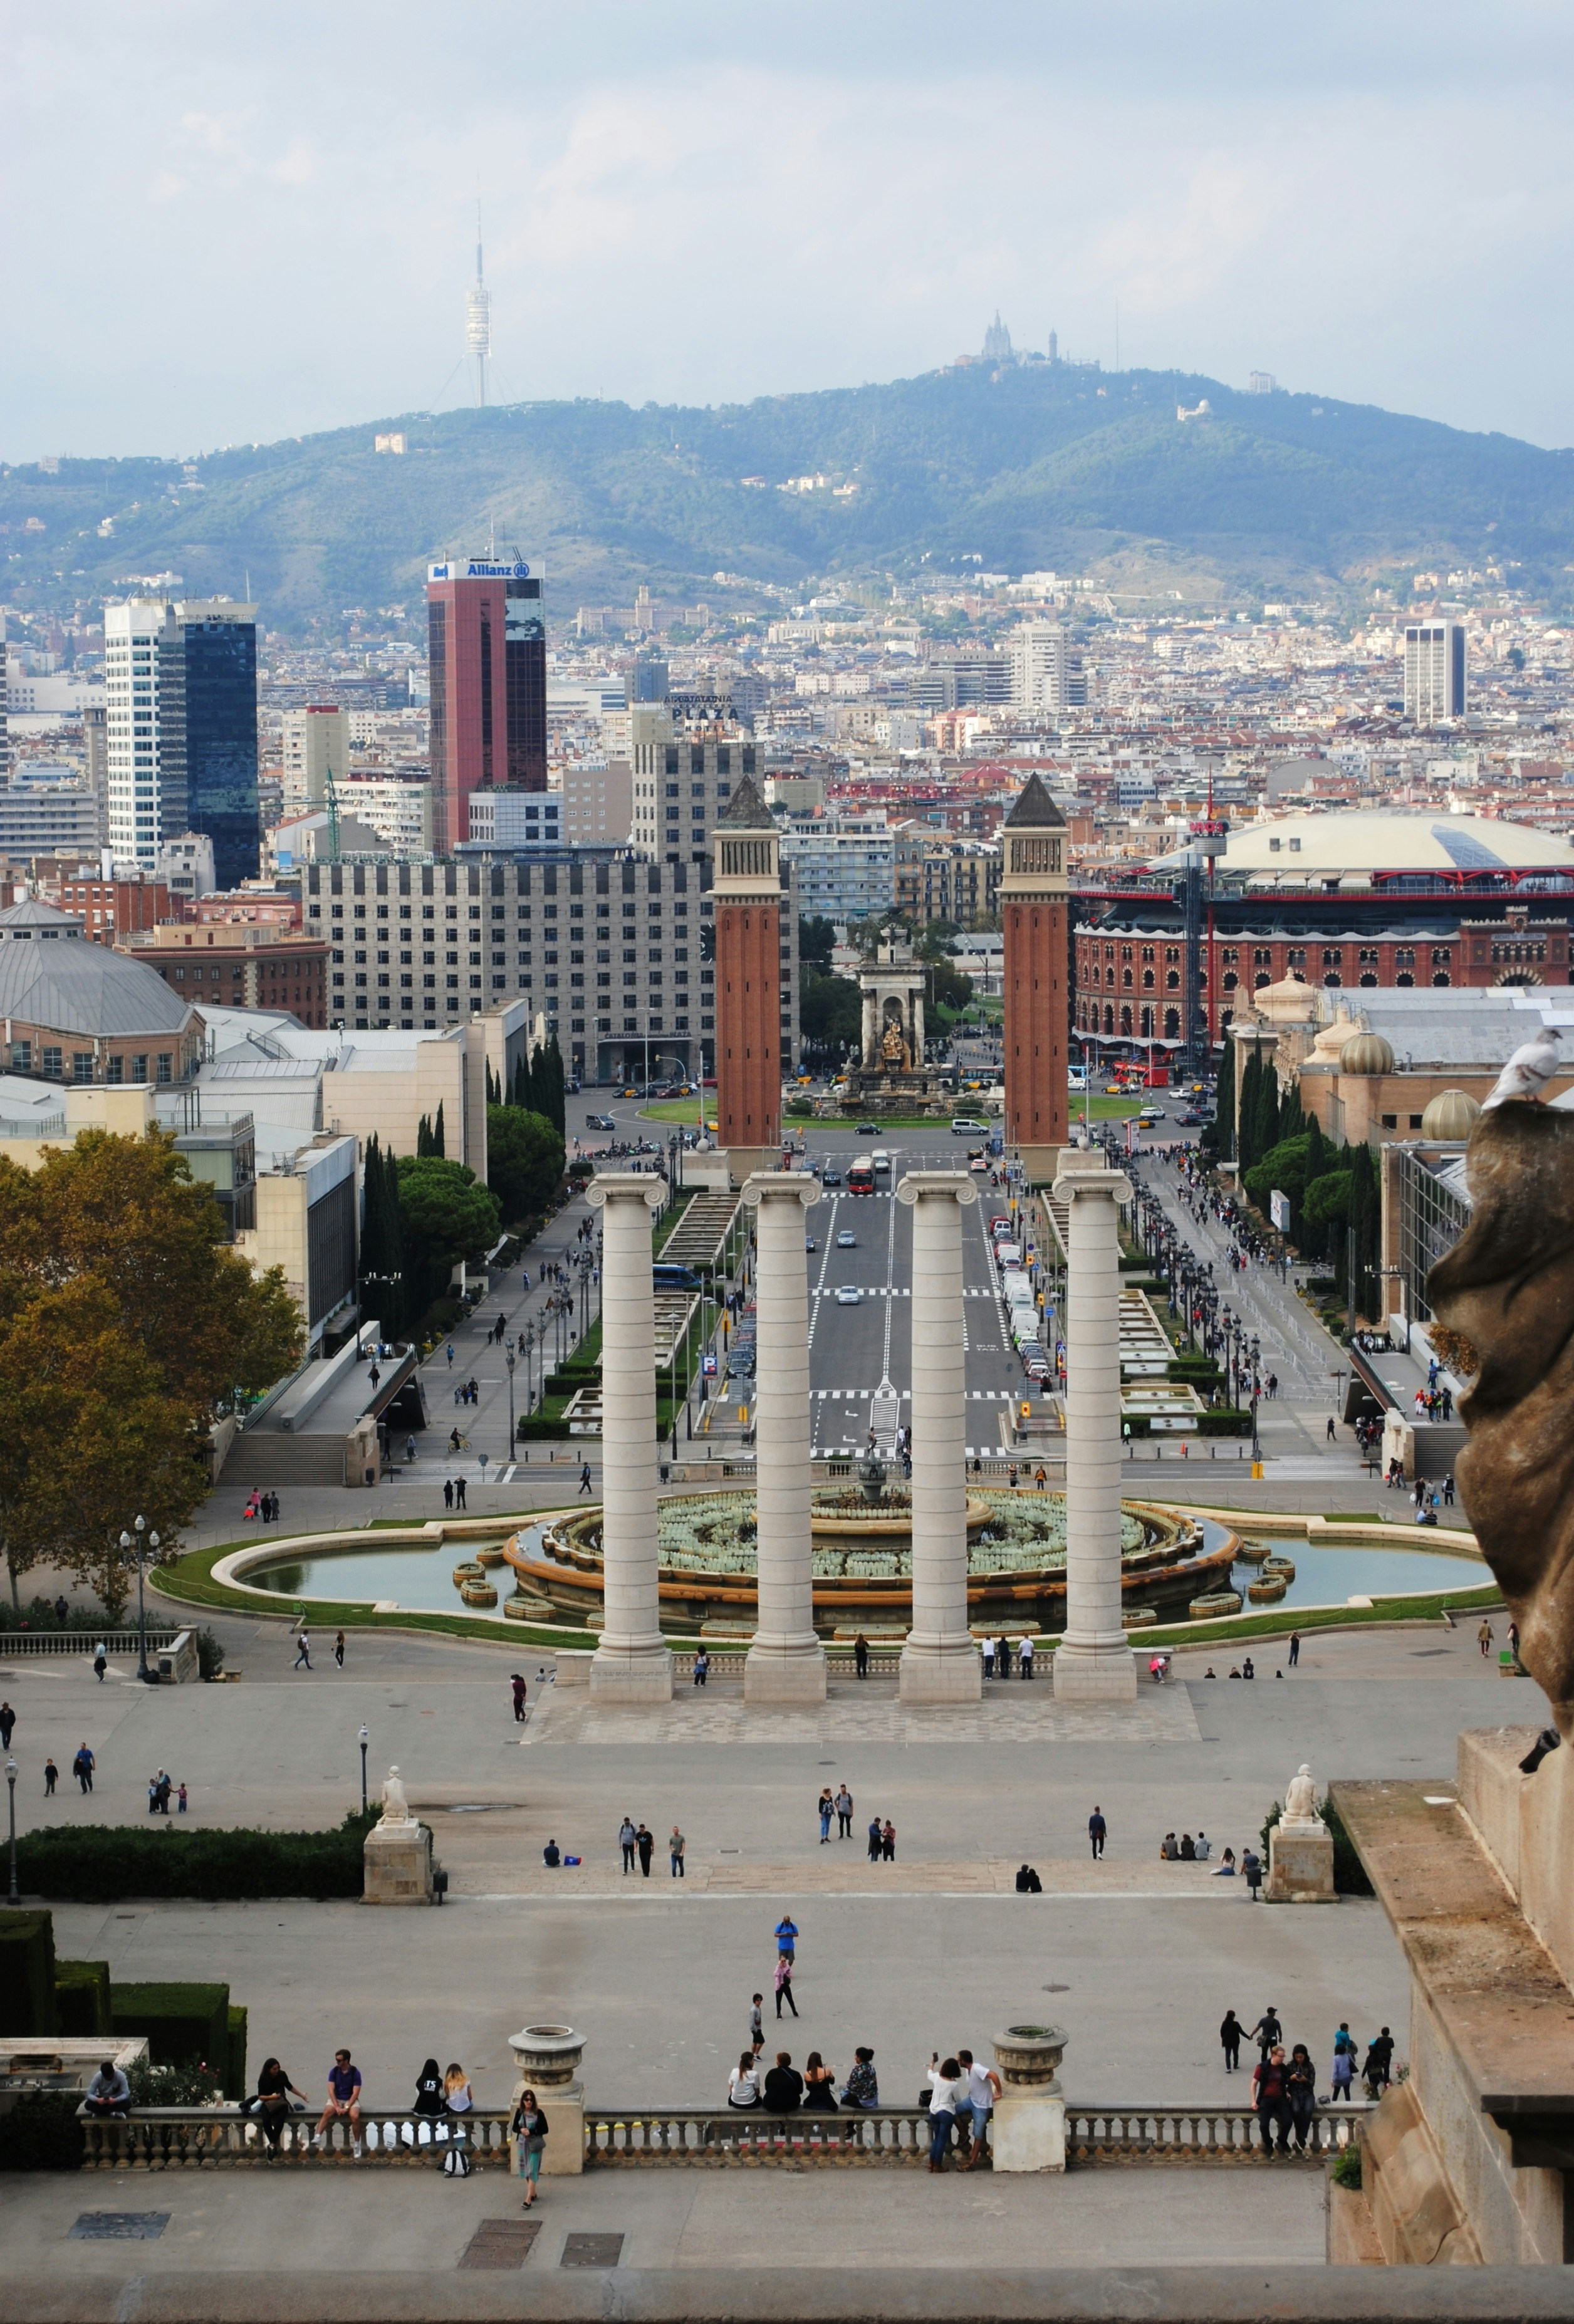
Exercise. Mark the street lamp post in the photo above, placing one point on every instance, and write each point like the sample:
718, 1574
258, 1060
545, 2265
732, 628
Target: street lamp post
509, 1361
365, 1738
15, 1897
127, 1546
530, 1339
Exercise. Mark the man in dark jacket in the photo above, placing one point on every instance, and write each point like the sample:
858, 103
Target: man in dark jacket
784, 2085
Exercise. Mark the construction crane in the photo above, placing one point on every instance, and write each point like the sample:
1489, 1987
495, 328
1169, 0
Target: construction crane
332, 796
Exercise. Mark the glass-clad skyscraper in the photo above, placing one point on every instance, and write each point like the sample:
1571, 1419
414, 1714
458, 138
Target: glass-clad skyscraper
219, 638
486, 643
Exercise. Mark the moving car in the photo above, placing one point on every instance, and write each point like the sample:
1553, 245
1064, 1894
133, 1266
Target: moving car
847, 1239
868, 1129
810, 1244
599, 1122
1190, 1121
848, 1294
965, 1126
830, 1178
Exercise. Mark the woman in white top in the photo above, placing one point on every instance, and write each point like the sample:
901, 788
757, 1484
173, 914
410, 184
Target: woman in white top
947, 2084
458, 2101
743, 2081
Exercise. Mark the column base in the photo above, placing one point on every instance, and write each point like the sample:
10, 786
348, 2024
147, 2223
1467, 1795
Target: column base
772, 1674
1027, 2133
940, 1674
1095, 1674
617, 1677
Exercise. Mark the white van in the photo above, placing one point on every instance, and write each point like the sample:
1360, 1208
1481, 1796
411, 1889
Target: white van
1007, 1254
882, 1162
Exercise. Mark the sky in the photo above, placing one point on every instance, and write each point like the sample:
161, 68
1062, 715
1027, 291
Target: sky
226, 225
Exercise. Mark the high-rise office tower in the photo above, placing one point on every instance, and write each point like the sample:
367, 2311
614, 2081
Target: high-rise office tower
218, 668
95, 756
486, 644
1037, 975
144, 702
1046, 668
1434, 671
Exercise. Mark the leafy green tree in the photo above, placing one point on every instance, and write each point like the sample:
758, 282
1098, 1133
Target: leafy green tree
524, 1160
816, 935
1282, 1167
1328, 1199
829, 1009
447, 1215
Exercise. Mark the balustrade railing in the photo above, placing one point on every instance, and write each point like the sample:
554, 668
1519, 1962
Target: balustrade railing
198, 2138
15, 1643
728, 1662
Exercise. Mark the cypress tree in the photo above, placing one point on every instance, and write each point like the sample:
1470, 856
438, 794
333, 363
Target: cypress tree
1265, 1130
393, 1245
1250, 1082
550, 1098
1367, 1217
1224, 1103
519, 1094
423, 1135
437, 1145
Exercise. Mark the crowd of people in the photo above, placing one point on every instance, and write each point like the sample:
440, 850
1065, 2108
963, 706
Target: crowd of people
1285, 2094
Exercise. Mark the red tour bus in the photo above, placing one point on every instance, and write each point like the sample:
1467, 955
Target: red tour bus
860, 1176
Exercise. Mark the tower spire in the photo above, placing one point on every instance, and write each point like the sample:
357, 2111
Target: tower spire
478, 318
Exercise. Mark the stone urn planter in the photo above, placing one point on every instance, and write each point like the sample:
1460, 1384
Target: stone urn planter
548, 2056
1027, 2058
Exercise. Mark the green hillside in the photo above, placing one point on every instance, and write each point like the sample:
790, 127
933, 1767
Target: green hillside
1023, 467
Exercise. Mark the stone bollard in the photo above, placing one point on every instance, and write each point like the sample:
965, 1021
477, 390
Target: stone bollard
1027, 2130
547, 2058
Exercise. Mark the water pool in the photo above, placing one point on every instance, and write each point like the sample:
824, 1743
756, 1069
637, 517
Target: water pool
1326, 1574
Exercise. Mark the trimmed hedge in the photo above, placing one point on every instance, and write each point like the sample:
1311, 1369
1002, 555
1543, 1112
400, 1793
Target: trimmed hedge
185, 2024
100, 1864
82, 2004
1225, 1422
41, 2133
234, 2080
27, 1969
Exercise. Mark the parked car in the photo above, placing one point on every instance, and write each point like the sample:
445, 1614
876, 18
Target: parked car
848, 1294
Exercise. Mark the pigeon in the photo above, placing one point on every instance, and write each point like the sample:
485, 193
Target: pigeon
1528, 1071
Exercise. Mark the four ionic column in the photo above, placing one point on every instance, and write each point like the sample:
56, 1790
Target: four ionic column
940, 1663
787, 1661
632, 1662
1093, 1662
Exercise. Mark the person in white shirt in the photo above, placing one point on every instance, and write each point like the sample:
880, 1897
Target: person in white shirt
1025, 1656
947, 2091
983, 2088
1204, 1847
743, 2081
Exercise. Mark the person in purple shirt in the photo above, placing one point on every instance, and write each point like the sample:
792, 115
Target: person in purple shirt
344, 2099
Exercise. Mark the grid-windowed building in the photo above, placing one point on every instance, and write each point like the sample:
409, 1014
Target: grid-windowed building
612, 951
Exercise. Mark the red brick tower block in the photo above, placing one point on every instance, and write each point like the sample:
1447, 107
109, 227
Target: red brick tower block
1033, 909
747, 898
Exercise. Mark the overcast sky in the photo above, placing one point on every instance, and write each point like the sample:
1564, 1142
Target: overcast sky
225, 223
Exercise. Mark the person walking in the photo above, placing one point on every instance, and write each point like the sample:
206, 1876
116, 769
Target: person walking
675, 1848
1483, 1637
756, 2022
516, 1687
628, 1841
645, 1842
1344, 2063
8, 1725
1097, 1832
82, 1767
303, 1651
528, 2129
51, 1777
1230, 2034
100, 1661
860, 1655
827, 1809
584, 1477
1294, 1648
1271, 2099
784, 1983
340, 1649
1267, 2032
947, 2085
1375, 2073
845, 1814
874, 1840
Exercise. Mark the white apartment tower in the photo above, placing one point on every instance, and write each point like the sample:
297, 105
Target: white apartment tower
316, 742
1046, 670
144, 738
1434, 671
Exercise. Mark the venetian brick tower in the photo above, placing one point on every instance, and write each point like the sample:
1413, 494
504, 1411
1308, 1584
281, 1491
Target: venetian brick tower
746, 896
1033, 909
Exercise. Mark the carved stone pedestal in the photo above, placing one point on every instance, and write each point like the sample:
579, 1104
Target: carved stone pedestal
1300, 1865
1027, 2129
397, 1859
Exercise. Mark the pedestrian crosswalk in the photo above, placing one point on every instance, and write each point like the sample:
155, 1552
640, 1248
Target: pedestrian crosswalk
862, 1394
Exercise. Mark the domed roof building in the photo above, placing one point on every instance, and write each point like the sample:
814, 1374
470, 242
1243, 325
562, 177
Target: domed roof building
1367, 1053
1450, 1117
81, 1012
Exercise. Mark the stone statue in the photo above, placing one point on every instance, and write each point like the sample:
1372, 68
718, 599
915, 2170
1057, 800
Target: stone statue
1504, 1298
1301, 1804
395, 1806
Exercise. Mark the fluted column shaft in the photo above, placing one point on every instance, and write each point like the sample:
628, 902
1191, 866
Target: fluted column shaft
940, 1663
632, 1662
786, 1663
1093, 1660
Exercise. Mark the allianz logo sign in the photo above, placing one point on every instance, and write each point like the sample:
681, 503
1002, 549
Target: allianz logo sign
475, 568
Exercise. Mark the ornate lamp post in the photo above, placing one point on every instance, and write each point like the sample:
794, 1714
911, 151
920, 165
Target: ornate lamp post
365, 1738
127, 1547
509, 1361
15, 1897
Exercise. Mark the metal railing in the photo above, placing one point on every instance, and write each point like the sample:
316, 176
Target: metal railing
215, 2138
223, 2137
79, 1642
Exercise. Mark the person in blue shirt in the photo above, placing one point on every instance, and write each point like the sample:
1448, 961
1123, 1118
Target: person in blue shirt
786, 1936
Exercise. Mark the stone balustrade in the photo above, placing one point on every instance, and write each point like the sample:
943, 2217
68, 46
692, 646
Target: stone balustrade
209, 2138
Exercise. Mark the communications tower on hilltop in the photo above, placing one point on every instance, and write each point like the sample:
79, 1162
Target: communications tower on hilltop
478, 320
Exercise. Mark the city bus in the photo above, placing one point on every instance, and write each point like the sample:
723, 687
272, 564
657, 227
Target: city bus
860, 1176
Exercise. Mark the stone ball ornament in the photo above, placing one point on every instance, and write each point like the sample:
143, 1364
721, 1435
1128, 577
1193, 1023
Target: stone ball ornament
1503, 1297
